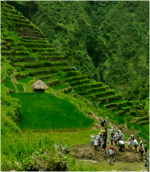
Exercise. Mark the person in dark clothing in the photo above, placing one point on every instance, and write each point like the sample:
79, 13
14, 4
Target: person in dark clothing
104, 142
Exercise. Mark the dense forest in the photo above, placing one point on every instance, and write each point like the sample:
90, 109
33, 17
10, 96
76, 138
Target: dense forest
106, 40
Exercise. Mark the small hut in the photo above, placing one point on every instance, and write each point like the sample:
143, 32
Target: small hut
39, 86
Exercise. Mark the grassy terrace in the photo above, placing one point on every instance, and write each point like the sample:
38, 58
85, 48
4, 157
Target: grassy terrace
38, 115
83, 86
14, 16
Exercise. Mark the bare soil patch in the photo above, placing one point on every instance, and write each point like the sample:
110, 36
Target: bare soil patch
87, 153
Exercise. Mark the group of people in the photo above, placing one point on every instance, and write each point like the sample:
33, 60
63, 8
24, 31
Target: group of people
100, 141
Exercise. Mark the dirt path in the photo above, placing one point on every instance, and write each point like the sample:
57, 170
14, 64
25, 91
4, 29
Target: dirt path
87, 153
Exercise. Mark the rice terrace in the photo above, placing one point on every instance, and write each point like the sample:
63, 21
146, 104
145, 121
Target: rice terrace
75, 86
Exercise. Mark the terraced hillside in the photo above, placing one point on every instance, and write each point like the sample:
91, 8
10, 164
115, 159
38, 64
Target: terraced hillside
28, 51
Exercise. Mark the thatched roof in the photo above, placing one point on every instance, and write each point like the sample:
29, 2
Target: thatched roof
39, 85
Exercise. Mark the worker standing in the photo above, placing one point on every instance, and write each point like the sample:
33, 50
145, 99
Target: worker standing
104, 142
111, 155
112, 130
130, 141
116, 138
141, 148
106, 121
145, 149
135, 144
92, 140
112, 138
119, 136
122, 136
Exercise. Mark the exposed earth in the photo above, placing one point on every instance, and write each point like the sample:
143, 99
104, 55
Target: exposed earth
85, 152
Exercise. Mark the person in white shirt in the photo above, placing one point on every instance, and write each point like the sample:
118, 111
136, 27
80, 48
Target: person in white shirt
119, 135
135, 144
96, 145
116, 139
106, 121
122, 136
92, 140
130, 142
121, 145
112, 130
111, 155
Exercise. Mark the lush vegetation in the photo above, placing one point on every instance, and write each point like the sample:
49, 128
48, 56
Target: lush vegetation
44, 111
106, 40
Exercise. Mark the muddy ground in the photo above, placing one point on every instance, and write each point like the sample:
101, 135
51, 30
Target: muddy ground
87, 153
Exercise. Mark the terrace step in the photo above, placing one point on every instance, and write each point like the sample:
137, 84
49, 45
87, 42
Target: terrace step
33, 37
109, 99
119, 104
16, 20
52, 83
73, 95
6, 6
87, 91
62, 86
43, 49
10, 11
20, 59
113, 109
14, 16
120, 113
50, 53
85, 86
38, 45
30, 34
47, 71
22, 24
79, 82
44, 76
75, 78
4, 48
17, 53
72, 73
142, 118
100, 94
40, 64
66, 90
33, 41
29, 29
144, 122
7, 39
53, 58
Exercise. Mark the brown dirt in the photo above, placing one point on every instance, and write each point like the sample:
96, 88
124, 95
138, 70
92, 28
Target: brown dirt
86, 152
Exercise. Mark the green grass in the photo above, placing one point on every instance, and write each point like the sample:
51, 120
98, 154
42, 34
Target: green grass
146, 127
20, 87
26, 80
44, 111
61, 86
9, 84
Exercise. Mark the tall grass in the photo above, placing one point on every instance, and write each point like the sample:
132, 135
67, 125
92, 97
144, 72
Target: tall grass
44, 111
9, 84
